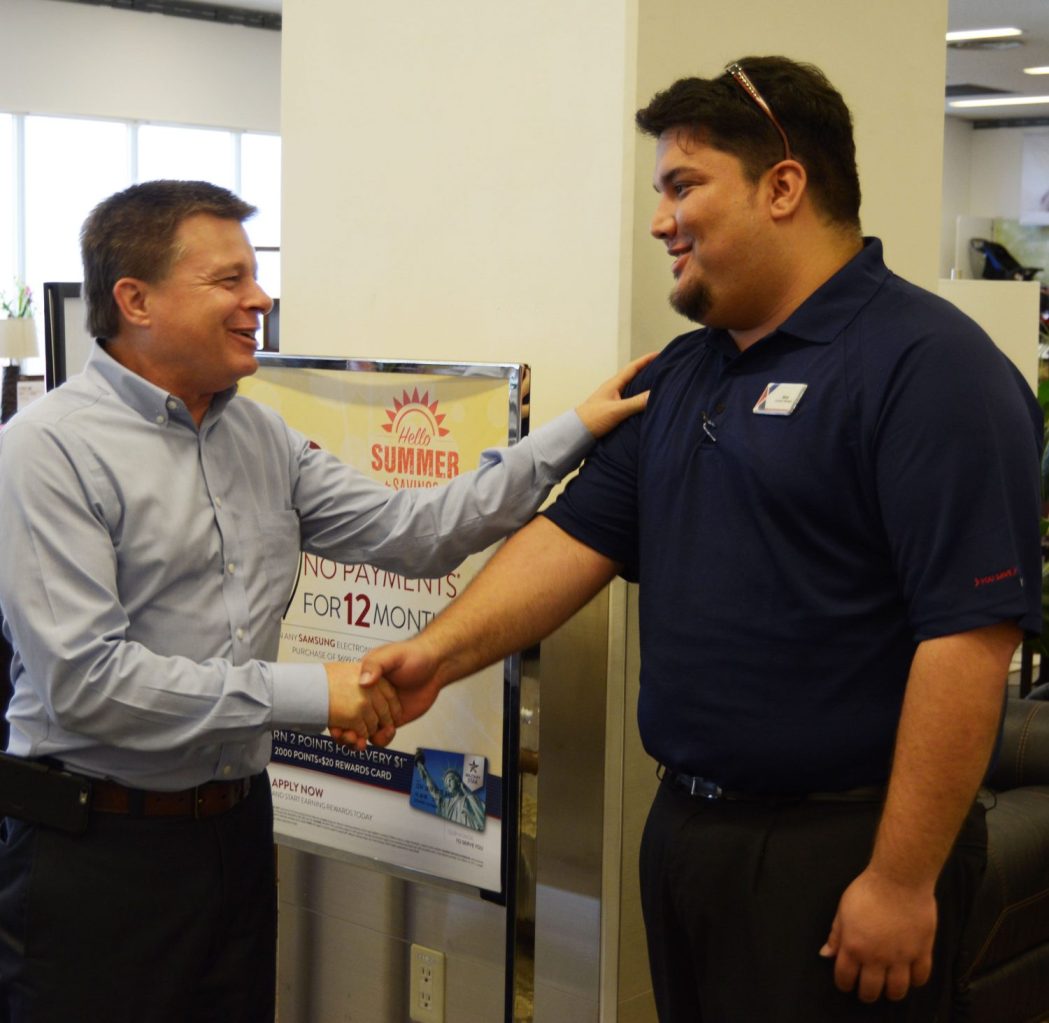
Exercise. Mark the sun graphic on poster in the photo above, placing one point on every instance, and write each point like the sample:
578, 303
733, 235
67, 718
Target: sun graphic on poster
414, 412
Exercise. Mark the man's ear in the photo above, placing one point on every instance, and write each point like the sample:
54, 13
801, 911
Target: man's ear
788, 183
132, 298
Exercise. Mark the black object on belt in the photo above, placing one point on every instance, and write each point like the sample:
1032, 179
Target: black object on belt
703, 788
206, 800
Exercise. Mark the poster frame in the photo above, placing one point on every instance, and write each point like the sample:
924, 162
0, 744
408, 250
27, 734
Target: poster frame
518, 378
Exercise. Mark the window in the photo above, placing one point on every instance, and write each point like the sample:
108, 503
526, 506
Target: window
192, 154
260, 185
61, 189
8, 236
71, 164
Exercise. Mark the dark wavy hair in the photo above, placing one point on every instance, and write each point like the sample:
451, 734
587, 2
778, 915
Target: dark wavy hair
718, 112
132, 234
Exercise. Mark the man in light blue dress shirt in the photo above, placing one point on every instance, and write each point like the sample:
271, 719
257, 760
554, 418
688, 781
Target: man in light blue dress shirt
152, 522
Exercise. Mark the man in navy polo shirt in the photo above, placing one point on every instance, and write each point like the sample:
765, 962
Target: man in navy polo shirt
831, 505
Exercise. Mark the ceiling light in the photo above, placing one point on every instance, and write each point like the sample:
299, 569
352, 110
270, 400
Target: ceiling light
1007, 101
969, 34
1036, 70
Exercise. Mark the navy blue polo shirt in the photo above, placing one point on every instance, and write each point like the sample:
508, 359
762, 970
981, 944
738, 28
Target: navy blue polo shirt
790, 563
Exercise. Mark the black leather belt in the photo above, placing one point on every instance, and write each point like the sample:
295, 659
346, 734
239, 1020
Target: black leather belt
206, 800
705, 789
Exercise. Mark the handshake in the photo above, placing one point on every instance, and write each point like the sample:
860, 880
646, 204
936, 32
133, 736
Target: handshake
360, 714
393, 685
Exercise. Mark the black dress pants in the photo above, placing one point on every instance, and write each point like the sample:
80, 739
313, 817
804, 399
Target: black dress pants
141, 919
738, 899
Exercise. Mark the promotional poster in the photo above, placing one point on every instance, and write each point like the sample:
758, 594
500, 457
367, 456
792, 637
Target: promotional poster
432, 801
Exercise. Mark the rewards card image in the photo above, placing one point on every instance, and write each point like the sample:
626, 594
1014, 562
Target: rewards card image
450, 786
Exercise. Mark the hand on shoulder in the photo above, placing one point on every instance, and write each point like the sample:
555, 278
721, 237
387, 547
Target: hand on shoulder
606, 408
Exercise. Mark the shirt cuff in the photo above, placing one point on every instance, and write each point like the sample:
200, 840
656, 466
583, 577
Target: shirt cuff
562, 443
300, 696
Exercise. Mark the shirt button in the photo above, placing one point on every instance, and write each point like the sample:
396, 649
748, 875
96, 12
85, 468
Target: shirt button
172, 404
160, 420
227, 770
240, 633
231, 568
218, 502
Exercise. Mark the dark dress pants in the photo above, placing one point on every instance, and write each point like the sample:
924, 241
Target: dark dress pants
738, 899
141, 920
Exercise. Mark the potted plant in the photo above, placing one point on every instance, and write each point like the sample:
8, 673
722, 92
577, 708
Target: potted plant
17, 341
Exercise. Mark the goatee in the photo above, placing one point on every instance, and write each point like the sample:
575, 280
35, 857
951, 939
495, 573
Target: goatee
693, 301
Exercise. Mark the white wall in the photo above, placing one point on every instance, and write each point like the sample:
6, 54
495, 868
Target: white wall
997, 157
453, 184
78, 59
957, 185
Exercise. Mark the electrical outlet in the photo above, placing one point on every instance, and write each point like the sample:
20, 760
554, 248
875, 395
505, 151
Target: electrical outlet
426, 987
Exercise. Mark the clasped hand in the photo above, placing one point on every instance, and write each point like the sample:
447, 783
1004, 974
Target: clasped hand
399, 678
360, 714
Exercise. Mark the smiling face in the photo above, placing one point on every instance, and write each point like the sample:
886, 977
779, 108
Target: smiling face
711, 220
202, 319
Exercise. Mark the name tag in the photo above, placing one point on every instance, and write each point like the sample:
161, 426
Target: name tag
779, 399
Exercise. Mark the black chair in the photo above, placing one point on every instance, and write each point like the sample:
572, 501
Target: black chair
994, 262
1005, 958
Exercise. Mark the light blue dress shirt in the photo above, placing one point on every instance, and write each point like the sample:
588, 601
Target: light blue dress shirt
145, 566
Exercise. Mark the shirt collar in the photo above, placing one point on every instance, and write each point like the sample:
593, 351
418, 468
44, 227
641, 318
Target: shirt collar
148, 400
835, 303
832, 306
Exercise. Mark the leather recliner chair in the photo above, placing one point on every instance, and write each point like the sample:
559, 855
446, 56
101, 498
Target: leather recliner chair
1005, 951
